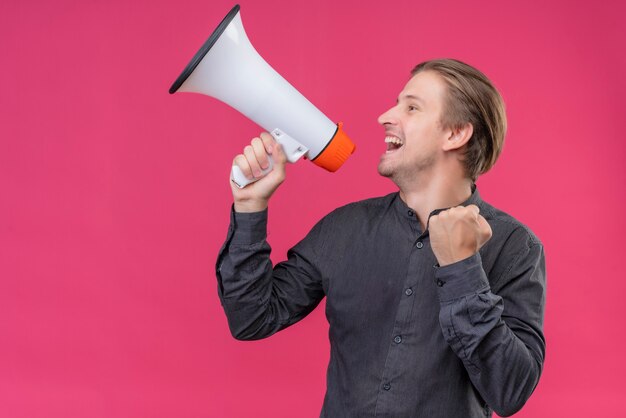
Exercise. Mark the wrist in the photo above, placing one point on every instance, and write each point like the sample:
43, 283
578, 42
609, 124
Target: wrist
455, 258
248, 206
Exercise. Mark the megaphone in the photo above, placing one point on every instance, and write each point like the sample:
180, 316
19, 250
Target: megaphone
228, 68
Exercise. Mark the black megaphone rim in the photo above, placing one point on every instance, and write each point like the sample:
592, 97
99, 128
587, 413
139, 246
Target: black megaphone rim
204, 49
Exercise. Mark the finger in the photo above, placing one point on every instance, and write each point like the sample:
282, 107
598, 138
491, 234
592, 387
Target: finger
248, 152
280, 158
474, 209
241, 162
455, 211
485, 228
268, 142
260, 153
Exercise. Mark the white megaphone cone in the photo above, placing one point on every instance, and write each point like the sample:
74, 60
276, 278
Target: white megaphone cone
228, 68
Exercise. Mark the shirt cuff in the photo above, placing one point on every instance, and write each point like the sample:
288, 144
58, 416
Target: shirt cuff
249, 227
463, 278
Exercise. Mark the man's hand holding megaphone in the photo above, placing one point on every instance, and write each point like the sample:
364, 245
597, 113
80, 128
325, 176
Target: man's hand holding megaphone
254, 160
228, 68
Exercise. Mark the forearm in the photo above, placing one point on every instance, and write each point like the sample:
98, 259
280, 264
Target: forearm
260, 299
243, 270
502, 354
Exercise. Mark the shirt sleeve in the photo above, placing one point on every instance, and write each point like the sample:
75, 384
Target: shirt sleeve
258, 298
499, 336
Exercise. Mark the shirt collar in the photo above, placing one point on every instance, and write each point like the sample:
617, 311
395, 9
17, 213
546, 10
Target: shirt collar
406, 212
474, 199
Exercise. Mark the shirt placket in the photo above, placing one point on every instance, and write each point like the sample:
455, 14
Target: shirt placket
402, 337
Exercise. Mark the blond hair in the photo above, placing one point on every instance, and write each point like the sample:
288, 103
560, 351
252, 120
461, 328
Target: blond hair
471, 98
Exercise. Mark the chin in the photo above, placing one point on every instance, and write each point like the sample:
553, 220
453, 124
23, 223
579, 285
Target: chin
384, 170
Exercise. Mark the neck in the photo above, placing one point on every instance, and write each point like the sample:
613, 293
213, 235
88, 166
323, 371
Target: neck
438, 191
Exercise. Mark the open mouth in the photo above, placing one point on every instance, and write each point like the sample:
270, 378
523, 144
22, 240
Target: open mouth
393, 143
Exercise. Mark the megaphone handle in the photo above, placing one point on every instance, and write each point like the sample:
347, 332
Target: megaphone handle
241, 181
292, 148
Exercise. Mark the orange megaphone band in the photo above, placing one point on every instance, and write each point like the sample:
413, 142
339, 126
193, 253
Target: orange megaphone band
336, 151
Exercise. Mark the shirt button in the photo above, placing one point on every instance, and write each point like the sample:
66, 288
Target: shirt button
419, 244
386, 386
440, 283
410, 213
408, 292
397, 339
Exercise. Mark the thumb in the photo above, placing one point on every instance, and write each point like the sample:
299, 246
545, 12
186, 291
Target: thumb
278, 154
279, 159
484, 229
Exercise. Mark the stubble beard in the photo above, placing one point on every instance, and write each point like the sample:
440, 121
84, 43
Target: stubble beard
385, 170
401, 174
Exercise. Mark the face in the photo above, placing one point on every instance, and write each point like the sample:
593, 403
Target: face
413, 133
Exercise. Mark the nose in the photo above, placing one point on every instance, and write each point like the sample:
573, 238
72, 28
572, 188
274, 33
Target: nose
387, 117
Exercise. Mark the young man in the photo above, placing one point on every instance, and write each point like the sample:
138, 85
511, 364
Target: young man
435, 298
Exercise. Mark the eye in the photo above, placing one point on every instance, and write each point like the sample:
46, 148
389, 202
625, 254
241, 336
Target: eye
411, 108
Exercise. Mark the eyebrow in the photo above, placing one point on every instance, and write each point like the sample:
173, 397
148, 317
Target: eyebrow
410, 97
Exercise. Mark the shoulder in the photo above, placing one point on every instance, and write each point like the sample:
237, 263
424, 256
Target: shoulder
513, 248
356, 216
343, 225
505, 227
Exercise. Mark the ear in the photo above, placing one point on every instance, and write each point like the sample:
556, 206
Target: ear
458, 137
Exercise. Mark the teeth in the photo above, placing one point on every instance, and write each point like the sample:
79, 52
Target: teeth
393, 140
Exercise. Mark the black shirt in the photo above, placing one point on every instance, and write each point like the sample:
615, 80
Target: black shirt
407, 338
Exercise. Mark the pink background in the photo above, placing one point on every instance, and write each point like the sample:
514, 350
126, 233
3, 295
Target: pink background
115, 195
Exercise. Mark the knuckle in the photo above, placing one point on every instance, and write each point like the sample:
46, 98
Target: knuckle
243, 165
241, 160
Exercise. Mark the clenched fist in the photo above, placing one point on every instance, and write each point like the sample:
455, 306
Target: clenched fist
457, 233
252, 162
